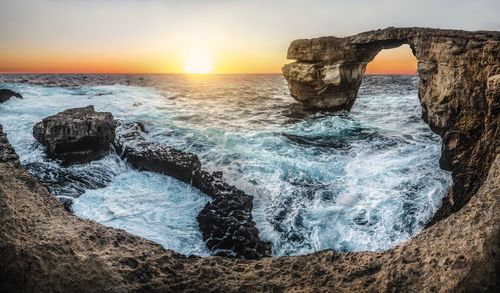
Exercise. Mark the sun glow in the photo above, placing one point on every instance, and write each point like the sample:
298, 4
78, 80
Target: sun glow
198, 61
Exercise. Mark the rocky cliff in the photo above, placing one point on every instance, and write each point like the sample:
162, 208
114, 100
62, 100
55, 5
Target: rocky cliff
45, 248
455, 69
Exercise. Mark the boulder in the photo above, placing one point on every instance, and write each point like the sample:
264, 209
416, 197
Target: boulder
76, 135
6, 94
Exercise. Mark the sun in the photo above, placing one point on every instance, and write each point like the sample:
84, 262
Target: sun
198, 61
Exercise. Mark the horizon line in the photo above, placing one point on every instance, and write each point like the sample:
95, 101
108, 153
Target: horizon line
171, 73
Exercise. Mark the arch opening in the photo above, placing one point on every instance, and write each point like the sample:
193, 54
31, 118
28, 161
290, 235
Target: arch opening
396, 61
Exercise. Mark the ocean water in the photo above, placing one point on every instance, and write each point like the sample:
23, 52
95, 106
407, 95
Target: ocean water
364, 180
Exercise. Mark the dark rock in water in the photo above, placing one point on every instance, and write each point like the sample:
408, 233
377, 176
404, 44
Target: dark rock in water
226, 223
152, 156
44, 248
326, 142
67, 203
76, 135
70, 182
7, 152
6, 94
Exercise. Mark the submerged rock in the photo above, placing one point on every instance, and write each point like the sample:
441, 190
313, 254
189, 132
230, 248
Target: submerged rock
226, 222
76, 135
6, 94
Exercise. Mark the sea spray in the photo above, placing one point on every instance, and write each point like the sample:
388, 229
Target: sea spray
364, 180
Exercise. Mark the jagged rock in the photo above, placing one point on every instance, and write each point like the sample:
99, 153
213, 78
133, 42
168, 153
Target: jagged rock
453, 66
226, 222
151, 156
6, 94
45, 248
76, 135
7, 152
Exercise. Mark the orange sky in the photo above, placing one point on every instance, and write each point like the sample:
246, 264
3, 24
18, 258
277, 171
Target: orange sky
394, 61
251, 36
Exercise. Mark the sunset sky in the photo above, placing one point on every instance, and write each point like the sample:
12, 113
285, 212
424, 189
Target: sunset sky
221, 36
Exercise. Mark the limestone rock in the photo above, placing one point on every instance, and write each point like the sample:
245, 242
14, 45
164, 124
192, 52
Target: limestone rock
456, 90
6, 94
76, 135
45, 248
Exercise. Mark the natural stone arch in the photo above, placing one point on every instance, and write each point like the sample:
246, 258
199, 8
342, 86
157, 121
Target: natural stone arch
331, 81
44, 248
453, 69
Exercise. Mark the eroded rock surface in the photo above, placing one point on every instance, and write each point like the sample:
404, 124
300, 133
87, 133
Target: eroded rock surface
6, 94
7, 152
76, 135
226, 222
458, 90
44, 248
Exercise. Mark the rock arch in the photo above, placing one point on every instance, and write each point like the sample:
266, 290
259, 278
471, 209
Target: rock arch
44, 248
453, 69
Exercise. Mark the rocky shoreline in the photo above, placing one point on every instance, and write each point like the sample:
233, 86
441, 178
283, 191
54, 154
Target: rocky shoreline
43, 247
83, 134
226, 222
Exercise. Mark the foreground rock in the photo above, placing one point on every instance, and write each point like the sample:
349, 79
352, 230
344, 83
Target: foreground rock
458, 73
44, 248
226, 222
76, 135
6, 94
7, 152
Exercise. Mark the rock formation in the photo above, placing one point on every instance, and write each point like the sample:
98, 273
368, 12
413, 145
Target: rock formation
76, 135
151, 156
226, 222
7, 152
6, 94
44, 248
454, 68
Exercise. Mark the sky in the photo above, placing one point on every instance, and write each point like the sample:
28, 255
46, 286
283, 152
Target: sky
238, 36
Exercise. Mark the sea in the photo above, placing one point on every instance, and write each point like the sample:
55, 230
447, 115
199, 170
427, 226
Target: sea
364, 180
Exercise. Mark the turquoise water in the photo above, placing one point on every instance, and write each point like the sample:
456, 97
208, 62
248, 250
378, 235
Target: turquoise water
364, 180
